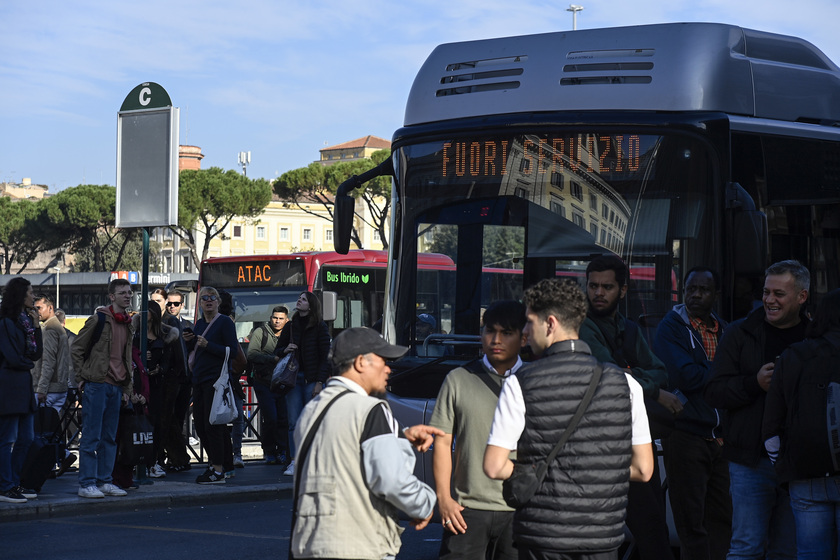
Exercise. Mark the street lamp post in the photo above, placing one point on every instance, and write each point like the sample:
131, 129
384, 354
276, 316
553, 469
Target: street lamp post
574, 8
57, 285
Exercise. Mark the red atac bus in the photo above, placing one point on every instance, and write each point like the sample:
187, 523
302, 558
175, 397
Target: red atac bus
353, 285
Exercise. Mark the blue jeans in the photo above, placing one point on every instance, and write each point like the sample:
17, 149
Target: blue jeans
98, 446
16, 435
296, 399
816, 508
762, 519
273, 421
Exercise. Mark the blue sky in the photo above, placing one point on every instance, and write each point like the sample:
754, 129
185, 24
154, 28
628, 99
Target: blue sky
279, 79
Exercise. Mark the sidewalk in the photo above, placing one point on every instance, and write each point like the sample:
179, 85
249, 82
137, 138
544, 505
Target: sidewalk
256, 482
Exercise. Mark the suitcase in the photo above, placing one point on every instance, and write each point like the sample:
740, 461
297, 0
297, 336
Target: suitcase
45, 451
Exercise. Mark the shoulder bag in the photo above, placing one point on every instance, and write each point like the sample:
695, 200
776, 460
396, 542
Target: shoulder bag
286, 371
223, 410
526, 478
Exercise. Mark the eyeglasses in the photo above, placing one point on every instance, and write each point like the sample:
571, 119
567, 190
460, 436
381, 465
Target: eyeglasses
173, 303
209, 298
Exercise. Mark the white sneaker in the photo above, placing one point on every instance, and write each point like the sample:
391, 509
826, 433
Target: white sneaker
109, 489
157, 471
90, 492
237, 462
290, 470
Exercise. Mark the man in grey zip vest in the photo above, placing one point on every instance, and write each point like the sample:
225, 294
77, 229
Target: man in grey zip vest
698, 475
354, 467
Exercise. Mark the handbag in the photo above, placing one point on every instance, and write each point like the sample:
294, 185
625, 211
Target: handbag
223, 409
136, 441
526, 478
285, 373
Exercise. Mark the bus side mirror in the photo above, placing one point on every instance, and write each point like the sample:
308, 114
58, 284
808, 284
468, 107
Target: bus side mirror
749, 232
329, 305
343, 222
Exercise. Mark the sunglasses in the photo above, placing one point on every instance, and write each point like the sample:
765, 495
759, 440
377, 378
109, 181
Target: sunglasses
172, 304
209, 298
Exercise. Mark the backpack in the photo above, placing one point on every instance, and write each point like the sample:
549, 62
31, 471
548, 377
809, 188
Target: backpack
811, 440
97, 334
252, 369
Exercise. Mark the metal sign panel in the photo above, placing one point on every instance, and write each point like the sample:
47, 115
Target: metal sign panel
147, 159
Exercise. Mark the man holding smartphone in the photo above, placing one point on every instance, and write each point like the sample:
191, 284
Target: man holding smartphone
698, 475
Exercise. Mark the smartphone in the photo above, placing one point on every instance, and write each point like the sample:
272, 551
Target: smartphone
677, 393
188, 330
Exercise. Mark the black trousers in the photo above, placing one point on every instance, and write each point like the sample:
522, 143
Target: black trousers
489, 536
528, 554
698, 488
215, 439
173, 409
646, 517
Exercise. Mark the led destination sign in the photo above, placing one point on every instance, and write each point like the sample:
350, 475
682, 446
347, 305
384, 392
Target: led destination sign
493, 156
255, 273
335, 276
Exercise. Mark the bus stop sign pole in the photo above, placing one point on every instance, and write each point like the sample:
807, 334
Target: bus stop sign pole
147, 173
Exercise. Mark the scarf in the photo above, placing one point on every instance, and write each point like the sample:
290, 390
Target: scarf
29, 333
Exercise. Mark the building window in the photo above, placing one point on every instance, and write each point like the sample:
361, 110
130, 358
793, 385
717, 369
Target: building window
307, 234
237, 232
578, 220
557, 180
376, 236
520, 192
557, 206
284, 234
167, 263
576, 190
593, 229
261, 233
605, 212
593, 201
186, 264
328, 235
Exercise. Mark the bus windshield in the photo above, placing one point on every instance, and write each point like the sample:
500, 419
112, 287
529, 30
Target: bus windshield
510, 209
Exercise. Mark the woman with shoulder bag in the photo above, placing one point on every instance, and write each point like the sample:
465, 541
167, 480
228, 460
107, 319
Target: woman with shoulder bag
310, 340
212, 334
20, 344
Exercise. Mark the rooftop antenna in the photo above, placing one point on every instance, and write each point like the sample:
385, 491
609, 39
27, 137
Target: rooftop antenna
574, 8
244, 160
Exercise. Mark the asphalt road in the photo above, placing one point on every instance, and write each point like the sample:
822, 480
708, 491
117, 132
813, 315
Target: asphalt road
229, 531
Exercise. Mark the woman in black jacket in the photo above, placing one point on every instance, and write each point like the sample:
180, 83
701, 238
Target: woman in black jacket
20, 345
802, 425
310, 340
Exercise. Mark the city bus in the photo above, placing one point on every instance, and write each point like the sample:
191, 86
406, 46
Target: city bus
671, 145
354, 284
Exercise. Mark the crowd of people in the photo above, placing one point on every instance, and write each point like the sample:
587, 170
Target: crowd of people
747, 414
43, 363
550, 459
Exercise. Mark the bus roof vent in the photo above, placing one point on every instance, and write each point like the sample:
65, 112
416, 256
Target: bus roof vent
481, 75
615, 66
678, 67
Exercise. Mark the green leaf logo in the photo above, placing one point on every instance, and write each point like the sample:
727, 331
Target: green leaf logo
365, 278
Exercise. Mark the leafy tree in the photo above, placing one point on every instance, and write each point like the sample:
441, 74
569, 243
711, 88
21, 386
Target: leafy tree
318, 185
122, 252
208, 199
17, 242
376, 193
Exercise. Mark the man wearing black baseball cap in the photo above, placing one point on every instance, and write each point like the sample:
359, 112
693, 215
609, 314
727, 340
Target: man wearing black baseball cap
358, 471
